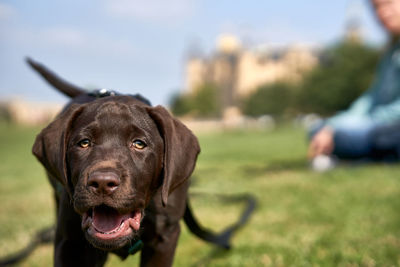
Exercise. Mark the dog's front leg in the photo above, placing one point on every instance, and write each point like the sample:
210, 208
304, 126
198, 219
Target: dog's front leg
162, 229
160, 251
70, 246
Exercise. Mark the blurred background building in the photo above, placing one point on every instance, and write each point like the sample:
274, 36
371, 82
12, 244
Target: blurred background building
239, 71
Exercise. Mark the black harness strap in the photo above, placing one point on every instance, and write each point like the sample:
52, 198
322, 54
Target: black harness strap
106, 92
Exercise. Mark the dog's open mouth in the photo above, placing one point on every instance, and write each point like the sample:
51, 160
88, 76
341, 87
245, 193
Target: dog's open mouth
106, 223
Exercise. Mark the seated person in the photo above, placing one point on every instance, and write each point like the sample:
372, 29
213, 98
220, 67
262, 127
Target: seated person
370, 128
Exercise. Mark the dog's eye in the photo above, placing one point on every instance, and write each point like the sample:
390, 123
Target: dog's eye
138, 144
84, 143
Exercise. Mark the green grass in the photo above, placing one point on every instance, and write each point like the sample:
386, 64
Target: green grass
347, 217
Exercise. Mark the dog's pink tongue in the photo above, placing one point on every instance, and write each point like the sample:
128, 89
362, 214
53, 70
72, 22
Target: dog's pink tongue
106, 219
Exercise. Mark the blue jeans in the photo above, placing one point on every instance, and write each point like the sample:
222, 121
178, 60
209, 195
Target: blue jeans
364, 139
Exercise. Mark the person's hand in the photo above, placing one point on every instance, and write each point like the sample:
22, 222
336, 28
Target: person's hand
321, 143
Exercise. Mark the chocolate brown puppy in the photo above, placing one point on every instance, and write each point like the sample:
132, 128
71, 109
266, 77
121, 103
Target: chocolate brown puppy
120, 169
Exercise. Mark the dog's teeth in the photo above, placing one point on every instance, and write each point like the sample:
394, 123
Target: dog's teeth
114, 231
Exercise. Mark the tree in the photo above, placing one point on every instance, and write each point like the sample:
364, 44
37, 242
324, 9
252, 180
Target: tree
180, 104
204, 102
345, 72
273, 99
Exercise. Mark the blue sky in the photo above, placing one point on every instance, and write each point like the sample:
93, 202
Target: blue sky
137, 46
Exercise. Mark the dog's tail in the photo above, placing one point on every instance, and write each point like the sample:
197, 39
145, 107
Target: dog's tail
64, 87
222, 239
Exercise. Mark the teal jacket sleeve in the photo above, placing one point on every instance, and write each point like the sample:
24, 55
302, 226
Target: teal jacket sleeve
387, 113
359, 109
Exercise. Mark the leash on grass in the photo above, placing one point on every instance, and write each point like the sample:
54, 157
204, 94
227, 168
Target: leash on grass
44, 236
222, 239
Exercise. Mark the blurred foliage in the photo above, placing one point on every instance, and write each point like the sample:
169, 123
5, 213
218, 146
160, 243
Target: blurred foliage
205, 102
345, 72
273, 99
180, 104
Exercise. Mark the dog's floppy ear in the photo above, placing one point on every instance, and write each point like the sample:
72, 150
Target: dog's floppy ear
51, 144
180, 150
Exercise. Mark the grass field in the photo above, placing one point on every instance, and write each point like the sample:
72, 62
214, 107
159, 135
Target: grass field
347, 217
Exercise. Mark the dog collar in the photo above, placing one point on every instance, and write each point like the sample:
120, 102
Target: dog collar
135, 247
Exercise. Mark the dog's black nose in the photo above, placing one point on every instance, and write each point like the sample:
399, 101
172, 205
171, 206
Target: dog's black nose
103, 182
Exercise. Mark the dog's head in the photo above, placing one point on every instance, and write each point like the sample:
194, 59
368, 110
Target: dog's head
112, 155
